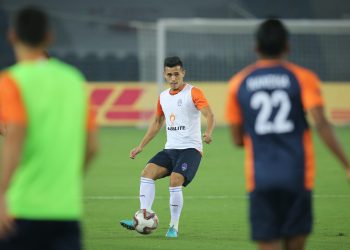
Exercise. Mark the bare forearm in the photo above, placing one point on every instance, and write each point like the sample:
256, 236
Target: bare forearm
209, 116
91, 148
150, 134
11, 155
237, 135
327, 135
9, 165
210, 123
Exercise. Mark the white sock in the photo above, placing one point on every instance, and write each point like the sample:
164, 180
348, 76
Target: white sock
147, 193
176, 204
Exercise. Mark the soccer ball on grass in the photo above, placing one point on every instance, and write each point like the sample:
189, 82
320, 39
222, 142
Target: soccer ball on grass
145, 221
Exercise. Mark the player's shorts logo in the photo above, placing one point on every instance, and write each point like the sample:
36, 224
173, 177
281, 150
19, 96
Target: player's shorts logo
172, 119
184, 166
179, 102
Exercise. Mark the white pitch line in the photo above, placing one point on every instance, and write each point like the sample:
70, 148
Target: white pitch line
209, 197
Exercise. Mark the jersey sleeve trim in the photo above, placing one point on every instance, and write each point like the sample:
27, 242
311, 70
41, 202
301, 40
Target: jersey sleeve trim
12, 107
159, 111
198, 98
233, 113
310, 87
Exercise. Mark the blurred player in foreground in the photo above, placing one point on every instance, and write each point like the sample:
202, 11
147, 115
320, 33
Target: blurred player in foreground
266, 111
50, 137
180, 107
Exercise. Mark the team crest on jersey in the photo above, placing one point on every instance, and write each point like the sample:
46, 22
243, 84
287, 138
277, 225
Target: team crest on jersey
184, 166
172, 119
179, 102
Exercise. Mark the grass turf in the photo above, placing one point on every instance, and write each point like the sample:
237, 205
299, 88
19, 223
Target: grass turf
215, 208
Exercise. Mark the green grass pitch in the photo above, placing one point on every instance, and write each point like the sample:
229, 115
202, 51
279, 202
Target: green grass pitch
215, 208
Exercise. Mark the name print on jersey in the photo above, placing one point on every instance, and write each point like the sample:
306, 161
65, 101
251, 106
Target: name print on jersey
270, 81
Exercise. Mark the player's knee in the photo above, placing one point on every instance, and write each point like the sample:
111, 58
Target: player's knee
150, 172
176, 180
147, 173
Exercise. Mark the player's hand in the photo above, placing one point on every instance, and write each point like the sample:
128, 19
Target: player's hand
6, 222
207, 138
2, 129
348, 173
135, 151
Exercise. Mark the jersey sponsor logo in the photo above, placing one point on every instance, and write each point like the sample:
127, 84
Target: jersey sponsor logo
179, 102
172, 119
177, 128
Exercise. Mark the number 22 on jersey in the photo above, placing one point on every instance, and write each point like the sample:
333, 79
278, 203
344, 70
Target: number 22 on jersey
265, 102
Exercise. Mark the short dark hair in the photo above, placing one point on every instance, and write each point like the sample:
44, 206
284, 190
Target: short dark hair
31, 26
172, 61
272, 37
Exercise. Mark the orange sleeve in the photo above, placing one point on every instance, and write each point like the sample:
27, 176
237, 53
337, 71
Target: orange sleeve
91, 118
233, 111
12, 106
311, 90
159, 111
198, 98
310, 86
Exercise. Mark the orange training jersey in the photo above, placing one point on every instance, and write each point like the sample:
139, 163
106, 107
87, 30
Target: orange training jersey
269, 99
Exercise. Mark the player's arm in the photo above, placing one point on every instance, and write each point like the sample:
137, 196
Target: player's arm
91, 146
237, 134
14, 115
202, 105
11, 153
2, 128
327, 135
208, 114
153, 129
233, 113
313, 102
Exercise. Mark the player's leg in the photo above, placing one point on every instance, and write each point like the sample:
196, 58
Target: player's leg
269, 245
149, 174
176, 202
158, 167
295, 243
186, 165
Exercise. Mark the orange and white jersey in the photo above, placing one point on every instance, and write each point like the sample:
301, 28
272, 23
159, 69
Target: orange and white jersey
182, 115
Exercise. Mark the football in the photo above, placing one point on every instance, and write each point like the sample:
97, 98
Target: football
145, 221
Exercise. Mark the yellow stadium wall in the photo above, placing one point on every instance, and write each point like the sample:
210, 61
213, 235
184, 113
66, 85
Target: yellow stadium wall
134, 104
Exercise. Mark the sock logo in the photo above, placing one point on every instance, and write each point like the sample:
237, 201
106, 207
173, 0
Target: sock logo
174, 205
184, 166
